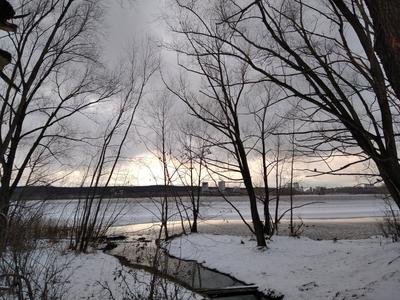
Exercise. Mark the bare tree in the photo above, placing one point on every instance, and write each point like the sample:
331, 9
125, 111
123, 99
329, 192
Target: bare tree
192, 164
280, 157
159, 140
58, 73
220, 105
323, 56
91, 221
266, 124
292, 158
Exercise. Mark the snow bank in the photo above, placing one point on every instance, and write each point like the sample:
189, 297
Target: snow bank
71, 276
95, 275
302, 268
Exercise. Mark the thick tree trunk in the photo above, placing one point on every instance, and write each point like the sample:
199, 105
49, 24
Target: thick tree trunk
258, 225
267, 215
390, 173
193, 229
385, 15
245, 170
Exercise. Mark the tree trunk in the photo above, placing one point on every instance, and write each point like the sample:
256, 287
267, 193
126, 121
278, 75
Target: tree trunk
267, 215
291, 182
193, 229
5, 196
277, 183
385, 15
258, 225
194, 198
389, 172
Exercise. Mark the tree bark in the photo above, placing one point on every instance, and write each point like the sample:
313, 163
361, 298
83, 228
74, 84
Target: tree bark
389, 172
5, 195
385, 15
267, 215
245, 170
291, 183
277, 184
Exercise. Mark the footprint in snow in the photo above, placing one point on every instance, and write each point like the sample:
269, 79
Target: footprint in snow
307, 286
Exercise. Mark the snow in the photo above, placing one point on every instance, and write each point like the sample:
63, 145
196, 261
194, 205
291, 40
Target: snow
87, 271
302, 268
89, 274
297, 268
73, 276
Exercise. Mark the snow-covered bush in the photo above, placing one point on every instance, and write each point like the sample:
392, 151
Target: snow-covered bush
31, 265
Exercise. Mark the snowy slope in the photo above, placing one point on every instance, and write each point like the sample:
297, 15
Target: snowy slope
302, 268
89, 276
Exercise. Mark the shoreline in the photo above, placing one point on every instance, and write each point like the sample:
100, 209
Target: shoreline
316, 229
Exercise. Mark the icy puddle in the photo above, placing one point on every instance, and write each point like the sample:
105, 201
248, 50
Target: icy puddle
143, 254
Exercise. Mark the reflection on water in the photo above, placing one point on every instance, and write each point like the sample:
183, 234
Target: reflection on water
146, 255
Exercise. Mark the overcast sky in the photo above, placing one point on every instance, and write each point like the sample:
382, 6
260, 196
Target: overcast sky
134, 21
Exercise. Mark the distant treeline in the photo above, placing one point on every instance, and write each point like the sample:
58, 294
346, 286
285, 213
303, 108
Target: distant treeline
54, 193
352, 190
51, 192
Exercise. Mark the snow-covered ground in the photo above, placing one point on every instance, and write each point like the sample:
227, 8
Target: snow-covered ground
70, 276
302, 268
93, 276
138, 211
297, 268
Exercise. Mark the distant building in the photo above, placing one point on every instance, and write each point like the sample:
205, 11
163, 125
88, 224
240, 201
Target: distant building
221, 185
296, 186
204, 186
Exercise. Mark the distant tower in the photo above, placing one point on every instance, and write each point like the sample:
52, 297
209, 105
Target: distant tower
204, 186
221, 185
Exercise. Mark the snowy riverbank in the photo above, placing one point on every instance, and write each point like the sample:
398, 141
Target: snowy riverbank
101, 276
317, 229
302, 268
62, 274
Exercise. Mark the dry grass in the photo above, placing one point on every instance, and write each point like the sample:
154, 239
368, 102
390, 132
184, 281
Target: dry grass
390, 227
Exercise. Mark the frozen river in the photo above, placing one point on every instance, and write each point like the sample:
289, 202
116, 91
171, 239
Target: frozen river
139, 211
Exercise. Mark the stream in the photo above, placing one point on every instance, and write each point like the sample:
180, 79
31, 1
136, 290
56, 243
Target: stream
141, 253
